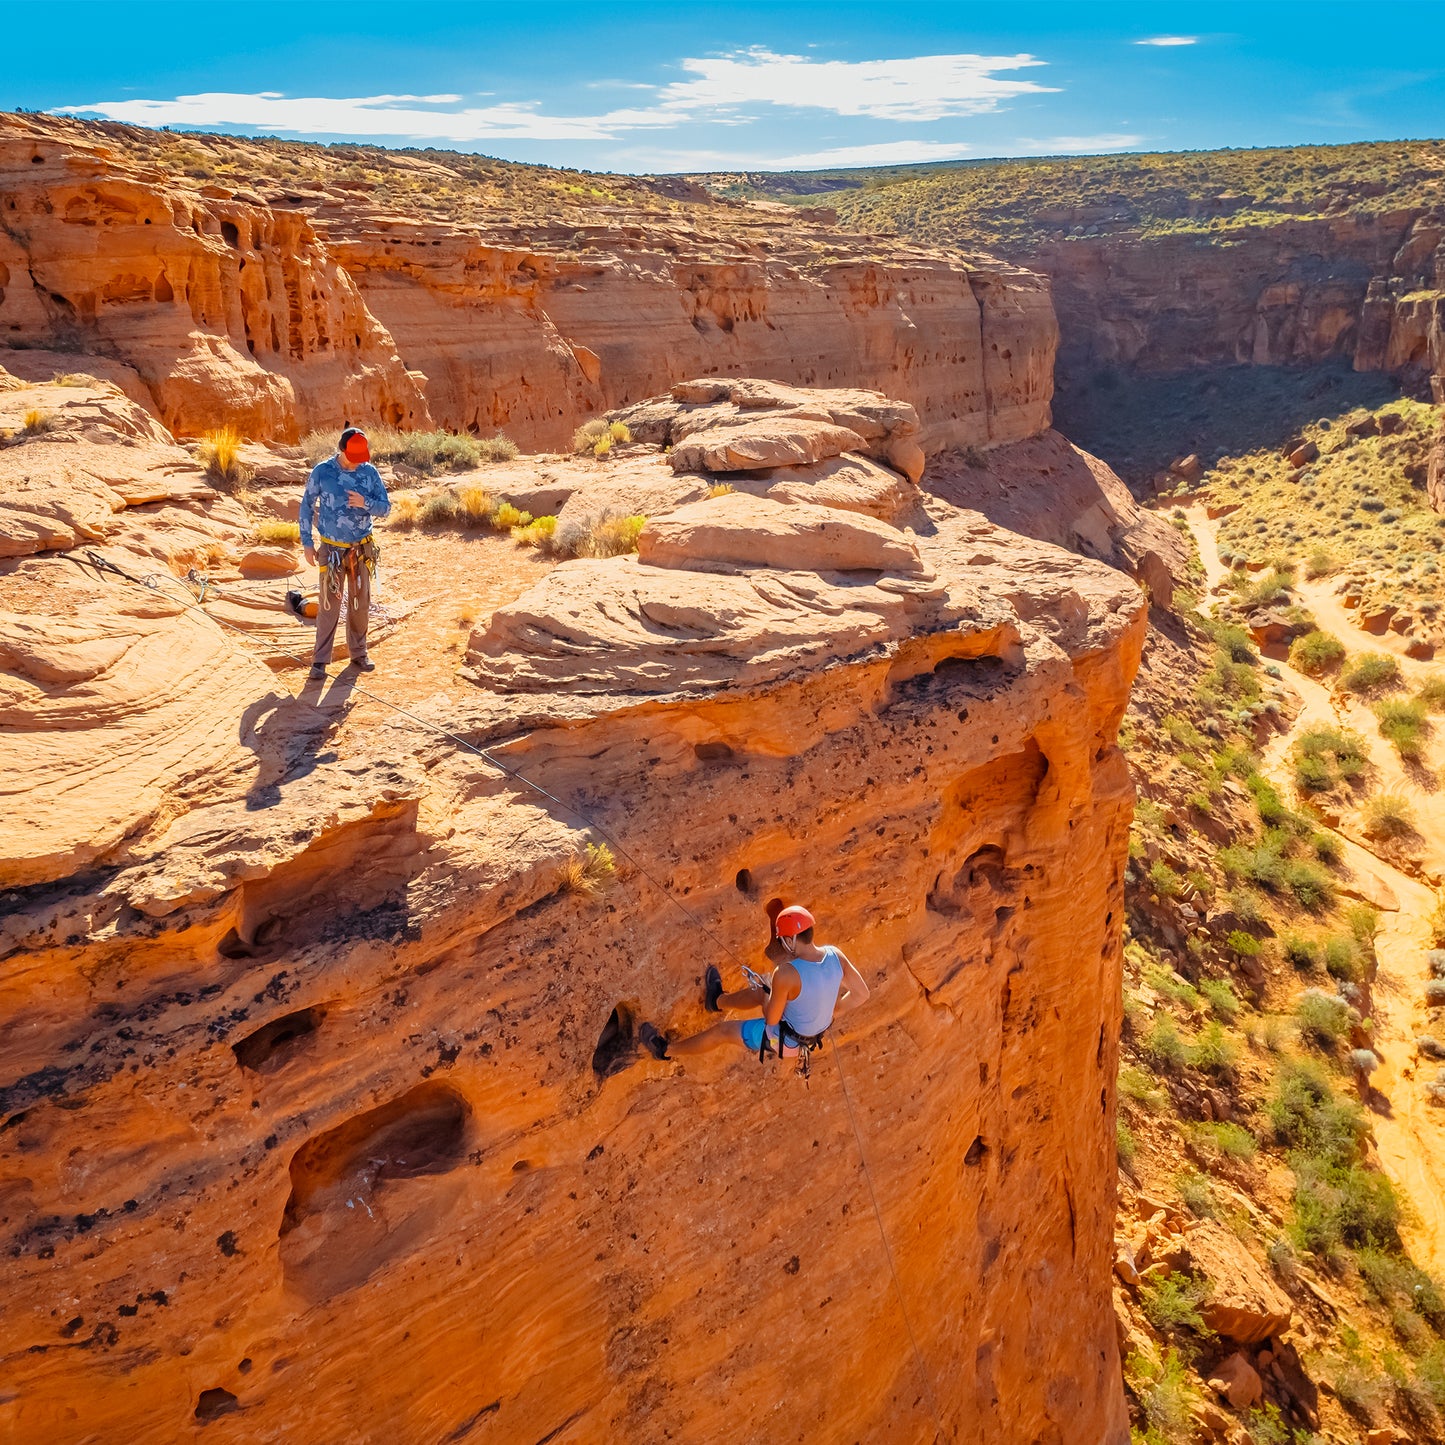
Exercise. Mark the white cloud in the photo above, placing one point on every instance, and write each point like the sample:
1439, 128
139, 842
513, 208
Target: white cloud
721, 90
371, 116
1170, 40
924, 87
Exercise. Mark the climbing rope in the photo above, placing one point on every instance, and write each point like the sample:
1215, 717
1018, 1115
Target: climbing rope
152, 581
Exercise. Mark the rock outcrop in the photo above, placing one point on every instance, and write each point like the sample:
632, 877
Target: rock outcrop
303, 308
320, 1110
1368, 286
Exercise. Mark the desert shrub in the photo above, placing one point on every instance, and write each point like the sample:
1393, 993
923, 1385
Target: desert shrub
497, 449
1243, 944
1432, 694
1435, 958
1323, 1018
441, 509
277, 533
1364, 1061
1316, 652
1320, 562
1435, 992
35, 421
1125, 1145
605, 536
1163, 1046
220, 454
1171, 1303
1435, 921
720, 489
1388, 815
1336, 1203
1176, 989
1403, 724
474, 506
76, 378
1212, 1051
1343, 958
1140, 1088
1262, 863
1167, 1397
1219, 994
427, 452
1245, 905
405, 513
1327, 847
505, 517
1308, 1117
1324, 757
598, 435
1394, 1279
1165, 882
1370, 672
1233, 1141
1299, 952
1270, 587
537, 533
589, 874
1234, 642
1363, 923
1310, 885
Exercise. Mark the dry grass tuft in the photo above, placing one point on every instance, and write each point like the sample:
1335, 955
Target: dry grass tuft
720, 489
220, 454
37, 422
598, 436
76, 378
276, 533
405, 513
604, 536
588, 874
474, 505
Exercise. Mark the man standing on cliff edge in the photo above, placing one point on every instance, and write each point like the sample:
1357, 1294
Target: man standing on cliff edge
343, 493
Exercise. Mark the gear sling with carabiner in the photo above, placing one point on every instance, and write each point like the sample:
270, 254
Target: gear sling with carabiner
788, 1035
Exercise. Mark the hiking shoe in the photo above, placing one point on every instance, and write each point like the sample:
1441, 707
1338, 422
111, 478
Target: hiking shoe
711, 989
295, 605
317, 673
654, 1042
362, 664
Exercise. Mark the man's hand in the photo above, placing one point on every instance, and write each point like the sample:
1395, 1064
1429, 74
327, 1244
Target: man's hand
310, 554
355, 499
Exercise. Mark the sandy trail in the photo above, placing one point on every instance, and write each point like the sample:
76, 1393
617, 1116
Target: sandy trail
1409, 1131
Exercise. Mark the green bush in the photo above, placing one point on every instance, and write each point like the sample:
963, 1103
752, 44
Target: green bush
1323, 1018
1338, 1204
1244, 944
1220, 996
1299, 952
1140, 1088
1388, 815
1324, 757
1343, 959
1371, 672
1213, 1051
1316, 653
1233, 1141
1163, 1046
1171, 1304
1310, 1119
1310, 884
1125, 1146
1404, 725
1432, 694
1165, 882
1167, 1397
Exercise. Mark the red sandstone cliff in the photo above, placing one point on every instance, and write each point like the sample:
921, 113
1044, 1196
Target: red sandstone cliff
318, 1118
300, 308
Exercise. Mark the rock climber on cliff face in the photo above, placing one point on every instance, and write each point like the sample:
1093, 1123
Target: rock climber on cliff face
810, 984
342, 495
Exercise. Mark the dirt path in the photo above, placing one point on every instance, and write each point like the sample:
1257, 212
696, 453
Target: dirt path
1409, 1131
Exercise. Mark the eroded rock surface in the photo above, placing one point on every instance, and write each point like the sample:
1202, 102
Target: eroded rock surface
321, 1106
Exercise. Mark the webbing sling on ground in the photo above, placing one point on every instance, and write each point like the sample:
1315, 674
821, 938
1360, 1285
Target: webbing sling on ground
152, 582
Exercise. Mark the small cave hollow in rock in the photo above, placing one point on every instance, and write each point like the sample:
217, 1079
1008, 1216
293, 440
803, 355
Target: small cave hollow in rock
214, 1403
366, 1190
273, 1044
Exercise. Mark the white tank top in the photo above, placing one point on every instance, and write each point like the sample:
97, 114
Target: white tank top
812, 1011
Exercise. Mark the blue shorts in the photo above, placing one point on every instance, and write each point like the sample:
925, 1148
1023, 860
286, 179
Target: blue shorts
753, 1038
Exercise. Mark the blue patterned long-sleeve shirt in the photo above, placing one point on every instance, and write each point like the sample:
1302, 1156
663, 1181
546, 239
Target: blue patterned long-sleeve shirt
324, 503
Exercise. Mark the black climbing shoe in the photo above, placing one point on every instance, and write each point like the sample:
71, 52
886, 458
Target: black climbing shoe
652, 1041
317, 673
363, 664
295, 605
711, 989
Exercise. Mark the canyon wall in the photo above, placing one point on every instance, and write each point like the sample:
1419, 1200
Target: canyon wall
288, 309
1368, 286
321, 1115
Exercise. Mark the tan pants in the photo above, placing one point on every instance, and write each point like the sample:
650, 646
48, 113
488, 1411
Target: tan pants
357, 589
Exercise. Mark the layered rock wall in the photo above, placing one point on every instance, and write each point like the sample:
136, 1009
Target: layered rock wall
321, 1114
1368, 286
306, 309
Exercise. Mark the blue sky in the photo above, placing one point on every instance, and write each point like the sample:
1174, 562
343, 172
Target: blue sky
701, 86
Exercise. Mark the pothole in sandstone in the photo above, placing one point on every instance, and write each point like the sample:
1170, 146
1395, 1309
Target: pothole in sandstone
367, 1191
272, 1045
214, 1403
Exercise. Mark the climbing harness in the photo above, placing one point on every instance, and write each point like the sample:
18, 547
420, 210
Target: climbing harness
152, 582
789, 1037
338, 562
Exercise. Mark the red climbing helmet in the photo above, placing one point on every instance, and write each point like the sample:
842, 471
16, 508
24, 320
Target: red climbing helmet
793, 921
